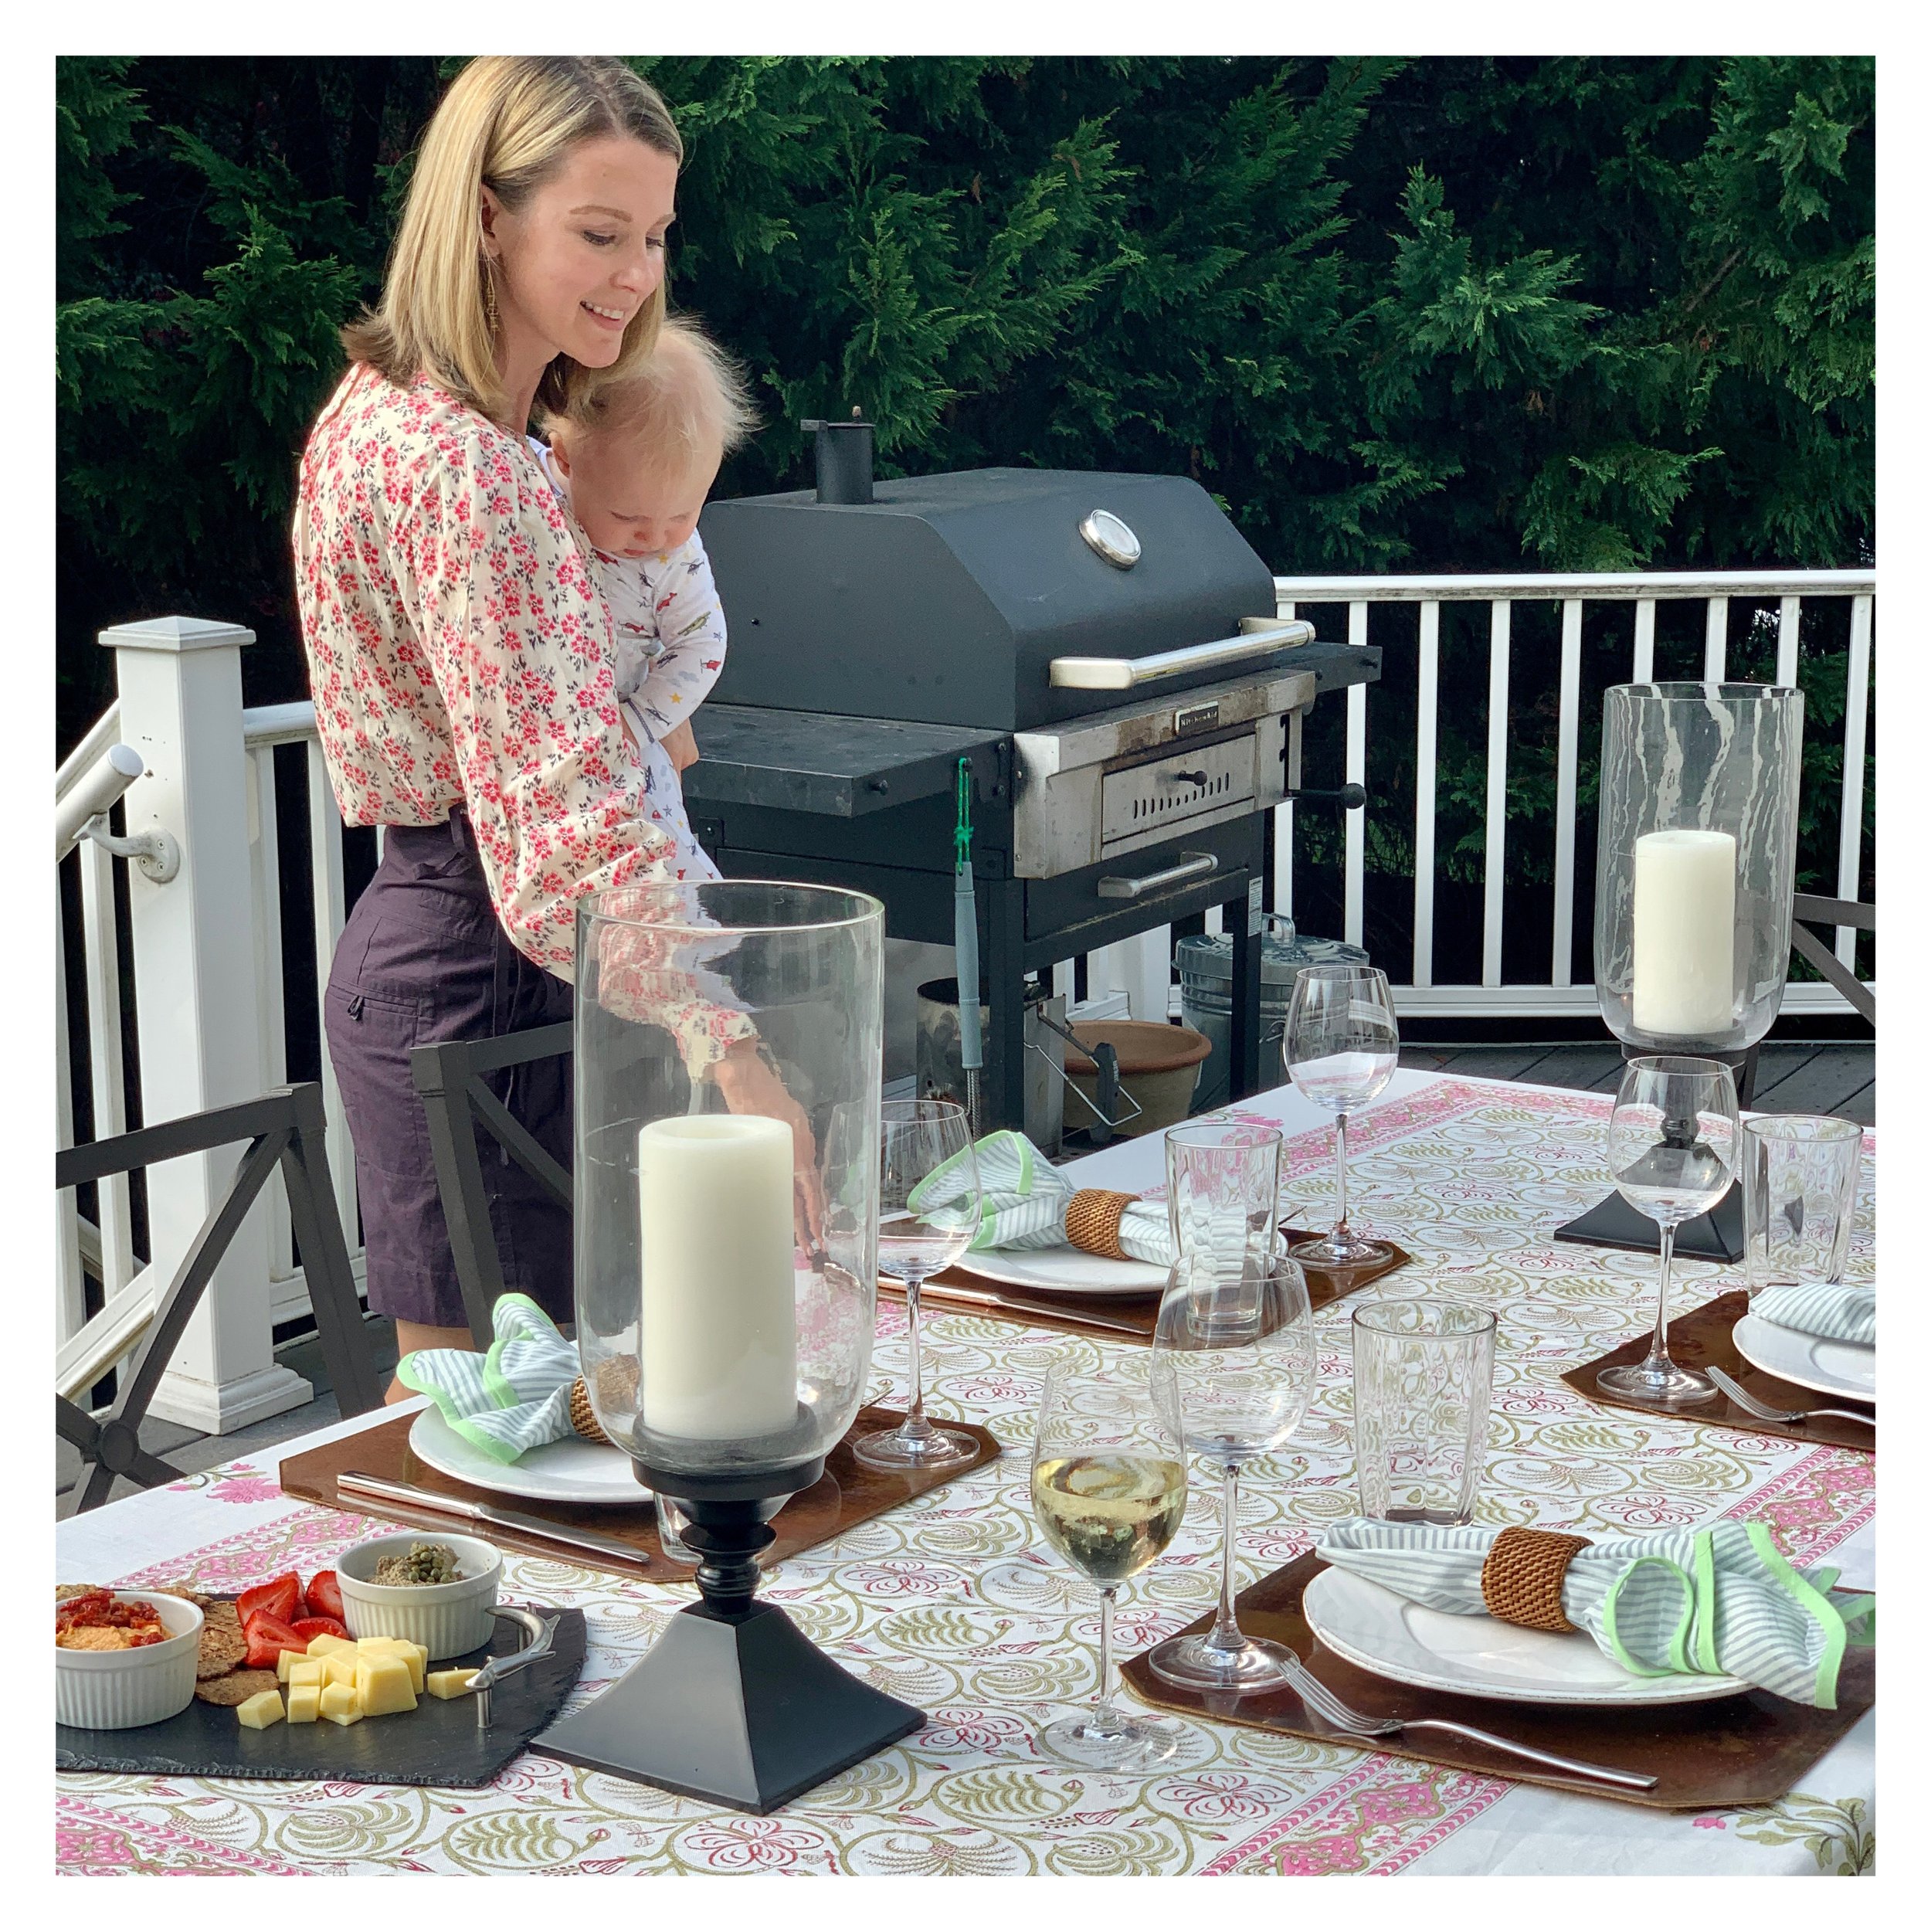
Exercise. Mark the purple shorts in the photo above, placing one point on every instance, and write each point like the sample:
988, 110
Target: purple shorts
423, 957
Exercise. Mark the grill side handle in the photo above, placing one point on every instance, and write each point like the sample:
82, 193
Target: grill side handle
1259, 637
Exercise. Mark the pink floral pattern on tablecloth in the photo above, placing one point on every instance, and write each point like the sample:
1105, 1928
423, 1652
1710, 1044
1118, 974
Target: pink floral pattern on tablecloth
954, 1603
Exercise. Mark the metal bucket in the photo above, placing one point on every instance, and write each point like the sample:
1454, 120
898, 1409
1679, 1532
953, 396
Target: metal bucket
1206, 964
940, 1075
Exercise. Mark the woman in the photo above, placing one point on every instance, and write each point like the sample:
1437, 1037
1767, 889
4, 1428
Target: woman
460, 653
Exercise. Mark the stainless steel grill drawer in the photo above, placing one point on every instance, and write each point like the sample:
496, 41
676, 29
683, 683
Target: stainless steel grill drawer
1157, 798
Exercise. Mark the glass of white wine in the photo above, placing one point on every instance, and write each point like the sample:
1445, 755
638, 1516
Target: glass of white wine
1109, 1488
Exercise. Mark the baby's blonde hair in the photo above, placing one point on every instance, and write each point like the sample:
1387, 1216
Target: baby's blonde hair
687, 399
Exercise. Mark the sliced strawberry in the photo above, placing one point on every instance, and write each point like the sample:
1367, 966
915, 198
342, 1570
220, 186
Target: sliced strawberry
325, 1595
307, 1627
282, 1595
268, 1637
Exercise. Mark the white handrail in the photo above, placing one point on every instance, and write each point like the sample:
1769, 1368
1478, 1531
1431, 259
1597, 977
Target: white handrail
94, 789
1556, 585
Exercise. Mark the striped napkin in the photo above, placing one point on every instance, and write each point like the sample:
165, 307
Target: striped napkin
1836, 1311
514, 1399
1023, 1199
1723, 1601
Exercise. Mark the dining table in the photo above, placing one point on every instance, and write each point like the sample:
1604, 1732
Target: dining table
954, 1602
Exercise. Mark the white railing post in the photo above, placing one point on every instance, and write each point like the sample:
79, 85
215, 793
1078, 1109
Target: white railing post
1850, 829
1427, 683
1496, 823
196, 999
1354, 771
1567, 721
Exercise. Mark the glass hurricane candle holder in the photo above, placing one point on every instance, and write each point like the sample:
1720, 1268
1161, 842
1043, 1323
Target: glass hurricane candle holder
727, 1069
1695, 863
1695, 858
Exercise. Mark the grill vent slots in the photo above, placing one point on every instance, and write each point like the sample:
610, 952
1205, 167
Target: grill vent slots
1147, 809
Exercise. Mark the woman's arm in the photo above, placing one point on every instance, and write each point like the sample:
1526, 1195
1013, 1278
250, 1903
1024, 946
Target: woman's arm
518, 640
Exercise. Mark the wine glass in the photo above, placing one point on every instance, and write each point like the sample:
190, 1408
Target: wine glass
1672, 1150
1109, 1488
1233, 1370
1341, 1047
928, 1211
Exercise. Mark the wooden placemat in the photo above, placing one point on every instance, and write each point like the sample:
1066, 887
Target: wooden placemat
1113, 1318
1701, 1339
846, 1494
1747, 1750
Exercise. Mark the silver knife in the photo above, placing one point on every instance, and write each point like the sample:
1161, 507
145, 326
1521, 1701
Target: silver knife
354, 1482
973, 1298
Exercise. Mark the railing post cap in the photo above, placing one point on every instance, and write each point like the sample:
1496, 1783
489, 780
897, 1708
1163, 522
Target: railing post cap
176, 634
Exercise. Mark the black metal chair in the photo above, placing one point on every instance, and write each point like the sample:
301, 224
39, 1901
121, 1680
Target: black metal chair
449, 1075
1807, 910
284, 1128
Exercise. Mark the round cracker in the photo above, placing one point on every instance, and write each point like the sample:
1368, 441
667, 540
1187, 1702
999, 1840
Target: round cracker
237, 1687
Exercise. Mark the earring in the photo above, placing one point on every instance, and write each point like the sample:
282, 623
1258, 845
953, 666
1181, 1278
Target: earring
489, 296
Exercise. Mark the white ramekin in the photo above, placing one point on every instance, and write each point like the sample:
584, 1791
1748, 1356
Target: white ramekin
449, 1619
118, 1690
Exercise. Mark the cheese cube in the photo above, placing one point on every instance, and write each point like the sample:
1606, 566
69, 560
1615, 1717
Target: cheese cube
261, 1710
338, 1667
449, 1683
340, 1705
417, 1655
382, 1684
323, 1645
306, 1670
284, 1662
304, 1703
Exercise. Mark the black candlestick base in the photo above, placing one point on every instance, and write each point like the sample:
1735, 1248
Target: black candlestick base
1717, 1236
732, 1702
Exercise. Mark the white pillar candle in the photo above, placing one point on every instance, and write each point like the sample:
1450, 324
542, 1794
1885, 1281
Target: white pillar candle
720, 1341
1685, 937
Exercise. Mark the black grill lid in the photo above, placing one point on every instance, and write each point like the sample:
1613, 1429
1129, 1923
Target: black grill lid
945, 599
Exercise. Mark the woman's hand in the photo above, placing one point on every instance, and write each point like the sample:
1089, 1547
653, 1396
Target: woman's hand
749, 1086
680, 745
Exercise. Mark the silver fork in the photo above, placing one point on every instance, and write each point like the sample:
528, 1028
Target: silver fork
1744, 1400
1327, 1706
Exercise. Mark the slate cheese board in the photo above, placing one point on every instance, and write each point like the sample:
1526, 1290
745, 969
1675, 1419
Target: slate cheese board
438, 1743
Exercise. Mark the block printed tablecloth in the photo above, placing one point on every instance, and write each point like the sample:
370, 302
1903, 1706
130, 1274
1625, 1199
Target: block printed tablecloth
954, 1604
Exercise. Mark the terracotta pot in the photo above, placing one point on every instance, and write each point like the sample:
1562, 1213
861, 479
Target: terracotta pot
1159, 1066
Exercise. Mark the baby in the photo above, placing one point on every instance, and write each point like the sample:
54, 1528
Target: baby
635, 467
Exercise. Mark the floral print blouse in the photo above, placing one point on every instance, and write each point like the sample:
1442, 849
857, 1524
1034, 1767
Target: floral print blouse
461, 652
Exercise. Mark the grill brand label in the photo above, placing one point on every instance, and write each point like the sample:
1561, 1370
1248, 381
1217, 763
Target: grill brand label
1195, 717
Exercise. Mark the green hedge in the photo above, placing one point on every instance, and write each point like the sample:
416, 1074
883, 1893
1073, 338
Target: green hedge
1436, 315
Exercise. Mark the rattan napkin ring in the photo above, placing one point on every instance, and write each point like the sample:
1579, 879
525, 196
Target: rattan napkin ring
582, 1416
1522, 1577
1093, 1217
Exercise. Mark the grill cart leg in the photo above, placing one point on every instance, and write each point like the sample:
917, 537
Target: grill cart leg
1004, 1084
1244, 1043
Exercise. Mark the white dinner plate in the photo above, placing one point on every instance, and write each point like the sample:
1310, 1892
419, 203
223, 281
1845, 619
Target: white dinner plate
1831, 1368
1065, 1270
573, 1471
1481, 1656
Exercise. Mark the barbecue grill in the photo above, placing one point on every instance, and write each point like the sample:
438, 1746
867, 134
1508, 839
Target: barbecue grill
1102, 649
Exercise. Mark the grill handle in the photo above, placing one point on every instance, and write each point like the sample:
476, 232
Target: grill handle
1195, 865
1260, 637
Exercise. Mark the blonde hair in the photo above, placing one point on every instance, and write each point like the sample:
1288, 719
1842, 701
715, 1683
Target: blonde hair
686, 399
507, 123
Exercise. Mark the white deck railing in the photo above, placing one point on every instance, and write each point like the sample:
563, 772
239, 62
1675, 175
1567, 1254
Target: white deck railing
1569, 988
210, 763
